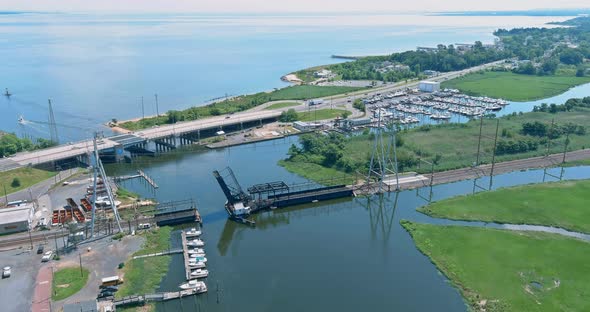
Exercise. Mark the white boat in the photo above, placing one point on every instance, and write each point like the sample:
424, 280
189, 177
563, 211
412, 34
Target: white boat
194, 284
197, 258
195, 243
196, 251
196, 265
199, 273
193, 232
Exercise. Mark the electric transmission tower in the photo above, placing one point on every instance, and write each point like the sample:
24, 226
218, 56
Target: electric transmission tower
52, 125
383, 158
98, 170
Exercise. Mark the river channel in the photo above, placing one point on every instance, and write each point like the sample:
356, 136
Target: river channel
345, 255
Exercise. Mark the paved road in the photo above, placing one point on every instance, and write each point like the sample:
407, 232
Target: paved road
42, 294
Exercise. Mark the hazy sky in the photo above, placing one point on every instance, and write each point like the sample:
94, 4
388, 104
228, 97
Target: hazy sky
285, 5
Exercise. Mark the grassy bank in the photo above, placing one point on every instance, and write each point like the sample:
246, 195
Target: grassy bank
67, 282
280, 105
560, 204
317, 172
26, 177
514, 87
500, 270
451, 146
143, 276
320, 114
238, 104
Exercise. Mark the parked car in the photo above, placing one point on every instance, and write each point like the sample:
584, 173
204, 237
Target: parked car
105, 294
40, 249
6, 271
47, 256
109, 288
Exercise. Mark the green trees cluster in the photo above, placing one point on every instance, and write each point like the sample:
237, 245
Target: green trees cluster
11, 144
289, 115
444, 59
359, 104
326, 150
516, 147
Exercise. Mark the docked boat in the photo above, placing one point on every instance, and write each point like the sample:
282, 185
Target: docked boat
198, 258
193, 232
196, 251
199, 273
195, 243
196, 264
194, 284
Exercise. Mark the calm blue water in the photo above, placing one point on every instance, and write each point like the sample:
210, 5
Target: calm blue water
346, 255
97, 67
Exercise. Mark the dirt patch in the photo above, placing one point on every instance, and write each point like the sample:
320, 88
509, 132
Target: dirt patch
63, 286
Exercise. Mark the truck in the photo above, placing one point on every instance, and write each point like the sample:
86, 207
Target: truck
111, 281
316, 102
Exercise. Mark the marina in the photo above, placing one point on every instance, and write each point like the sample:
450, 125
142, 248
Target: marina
411, 106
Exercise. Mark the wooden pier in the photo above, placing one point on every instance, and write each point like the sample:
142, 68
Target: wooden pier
163, 296
147, 178
163, 253
187, 270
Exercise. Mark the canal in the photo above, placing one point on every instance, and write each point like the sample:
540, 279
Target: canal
345, 255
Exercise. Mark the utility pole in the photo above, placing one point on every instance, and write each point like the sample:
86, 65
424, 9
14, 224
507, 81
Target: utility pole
81, 272
494, 154
30, 238
5, 194
479, 140
157, 108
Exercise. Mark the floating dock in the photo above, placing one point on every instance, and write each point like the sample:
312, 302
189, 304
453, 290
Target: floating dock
187, 270
173, 213
163, 296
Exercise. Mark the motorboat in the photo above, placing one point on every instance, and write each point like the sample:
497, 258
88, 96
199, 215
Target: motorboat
194, 284
197, 258
196, 251
196, 265
199, 273
193, 232
195, 243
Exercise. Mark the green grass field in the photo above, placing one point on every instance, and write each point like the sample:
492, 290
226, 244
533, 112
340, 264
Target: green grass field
27, 177
321, 114
144, 275
68, 281
317, 172
514, 87
560, 204
282, 105
457, 143
509, 270
242, 103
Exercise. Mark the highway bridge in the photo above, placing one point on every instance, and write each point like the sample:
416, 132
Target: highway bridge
164, 137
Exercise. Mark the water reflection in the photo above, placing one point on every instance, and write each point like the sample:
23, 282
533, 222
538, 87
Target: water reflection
381, 209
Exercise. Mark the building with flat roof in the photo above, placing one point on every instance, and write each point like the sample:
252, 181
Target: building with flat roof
16, 219
429, 86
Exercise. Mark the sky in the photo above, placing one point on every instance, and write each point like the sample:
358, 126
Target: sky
287, 6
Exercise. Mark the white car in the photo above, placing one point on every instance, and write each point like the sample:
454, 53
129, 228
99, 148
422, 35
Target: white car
47, 256
6, 271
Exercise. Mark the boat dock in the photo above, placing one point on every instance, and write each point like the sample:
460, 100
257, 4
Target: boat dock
177, 212
163, 296
187, 270
163, 253
147, 178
